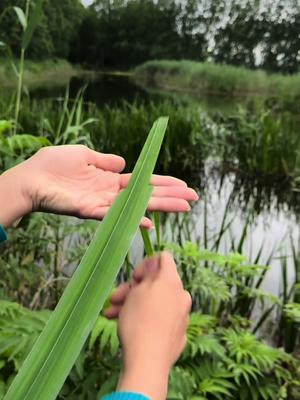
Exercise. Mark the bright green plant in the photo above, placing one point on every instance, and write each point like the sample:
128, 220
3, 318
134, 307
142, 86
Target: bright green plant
28, 25
45, 370
96, 369
261, 144
14, 149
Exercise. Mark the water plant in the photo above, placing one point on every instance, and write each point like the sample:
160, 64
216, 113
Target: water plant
28, 24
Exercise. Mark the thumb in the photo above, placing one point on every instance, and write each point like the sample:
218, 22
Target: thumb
152, 265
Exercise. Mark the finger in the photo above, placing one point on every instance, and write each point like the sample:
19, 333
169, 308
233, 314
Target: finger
119, 296
99, 213
107, 162
142, 269
179, 192
139, 272
168, 268
112, 312
168, 204
165, 180
188, 301
152, 266
156, 180
146, 223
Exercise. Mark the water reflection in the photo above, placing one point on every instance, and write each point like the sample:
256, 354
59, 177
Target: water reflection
260, 222
104, 89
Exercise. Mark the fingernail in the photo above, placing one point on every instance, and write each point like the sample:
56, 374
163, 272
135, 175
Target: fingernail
153, 263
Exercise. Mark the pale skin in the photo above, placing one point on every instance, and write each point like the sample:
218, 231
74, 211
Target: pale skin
152, 314
153, 309
75, 180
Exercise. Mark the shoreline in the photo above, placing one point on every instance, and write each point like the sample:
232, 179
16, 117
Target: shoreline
36, 74
215, 79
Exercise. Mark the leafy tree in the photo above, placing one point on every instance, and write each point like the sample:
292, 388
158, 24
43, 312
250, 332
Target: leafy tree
52, 38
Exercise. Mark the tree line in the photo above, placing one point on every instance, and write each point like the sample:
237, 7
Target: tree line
124, 33
55, 34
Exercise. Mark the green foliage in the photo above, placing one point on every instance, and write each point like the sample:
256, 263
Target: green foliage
122, 34
292, 311
106, 331
14, 149
253, 144
54, 33
207, 77
220, 284
19, 329
218, 363
261, 145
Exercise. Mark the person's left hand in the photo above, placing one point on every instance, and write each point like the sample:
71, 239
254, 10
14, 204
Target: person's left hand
75, 180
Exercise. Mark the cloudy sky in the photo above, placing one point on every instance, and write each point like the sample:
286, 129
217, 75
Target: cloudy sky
87, 2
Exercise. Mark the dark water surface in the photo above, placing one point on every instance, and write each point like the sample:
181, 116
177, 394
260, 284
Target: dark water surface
105, 89
113, 89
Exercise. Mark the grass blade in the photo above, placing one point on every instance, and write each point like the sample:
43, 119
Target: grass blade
21, 17
147, 242
156, 217
56, 350
32, 24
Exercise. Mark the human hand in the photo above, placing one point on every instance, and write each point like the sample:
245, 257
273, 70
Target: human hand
153, 319
75, 180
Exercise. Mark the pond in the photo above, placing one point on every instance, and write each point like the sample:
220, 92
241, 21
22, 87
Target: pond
112, 89
260, 222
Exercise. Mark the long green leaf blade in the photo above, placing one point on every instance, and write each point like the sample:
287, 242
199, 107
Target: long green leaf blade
21, 17
32, 24
56, 350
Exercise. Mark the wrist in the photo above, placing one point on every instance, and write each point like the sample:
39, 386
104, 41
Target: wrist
14, 199
145, 375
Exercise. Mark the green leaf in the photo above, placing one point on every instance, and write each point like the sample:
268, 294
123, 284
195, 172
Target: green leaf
56, 350
5, 126
21, 143
21, 17
156, 217
32, 24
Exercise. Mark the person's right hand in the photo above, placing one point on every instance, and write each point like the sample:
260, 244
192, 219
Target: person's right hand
153, 319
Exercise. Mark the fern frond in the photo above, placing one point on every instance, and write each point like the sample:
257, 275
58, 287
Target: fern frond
106, 332
181, 384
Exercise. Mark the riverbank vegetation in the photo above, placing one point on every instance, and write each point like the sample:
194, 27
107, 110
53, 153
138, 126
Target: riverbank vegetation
260, 143
51, 72
200, 78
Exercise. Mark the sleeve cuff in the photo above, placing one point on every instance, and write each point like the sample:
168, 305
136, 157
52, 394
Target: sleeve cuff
125, 396
3, 235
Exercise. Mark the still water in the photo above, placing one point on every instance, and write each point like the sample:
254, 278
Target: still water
108, 89
271, 214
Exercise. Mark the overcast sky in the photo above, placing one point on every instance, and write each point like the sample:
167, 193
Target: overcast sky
87, 2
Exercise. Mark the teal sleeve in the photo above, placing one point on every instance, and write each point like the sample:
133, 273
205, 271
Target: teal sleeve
124, 396
3, 235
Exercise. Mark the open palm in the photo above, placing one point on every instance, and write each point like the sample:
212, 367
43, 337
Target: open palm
75, 180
